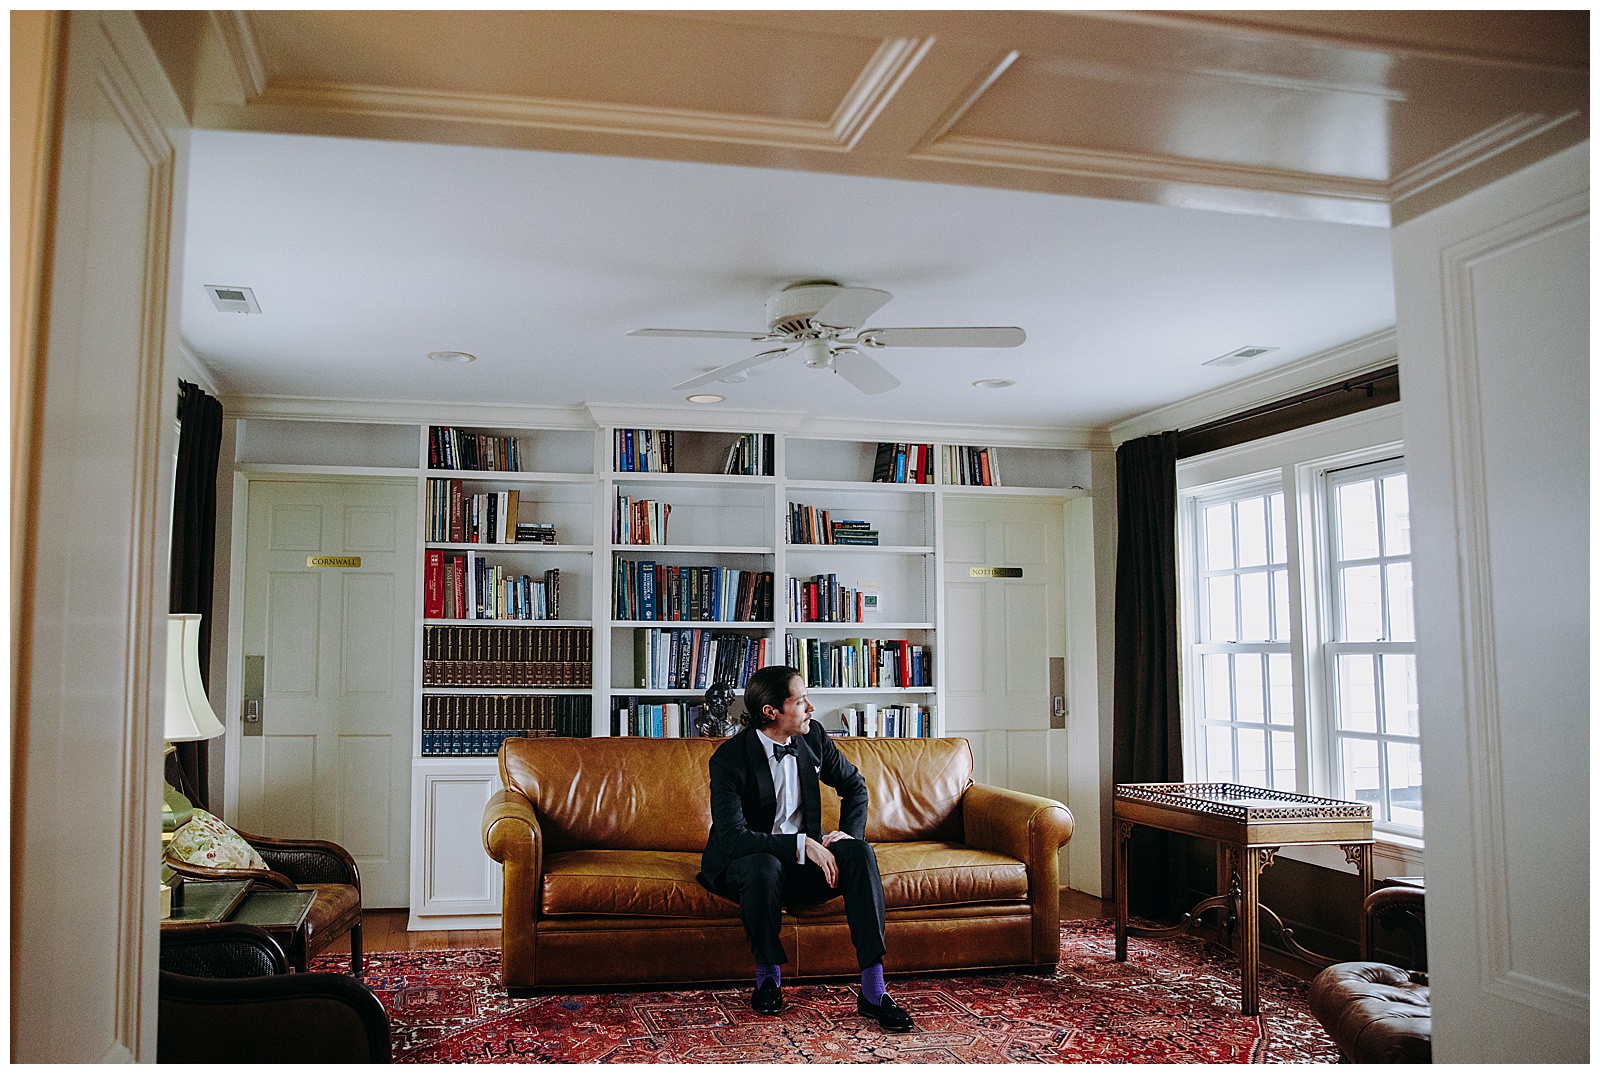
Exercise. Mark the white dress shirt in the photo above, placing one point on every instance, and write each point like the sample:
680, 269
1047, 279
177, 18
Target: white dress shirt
786, 782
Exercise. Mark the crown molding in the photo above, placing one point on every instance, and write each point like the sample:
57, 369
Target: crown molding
1339, 363
1146, 167
185, 364
402, 412
593, 415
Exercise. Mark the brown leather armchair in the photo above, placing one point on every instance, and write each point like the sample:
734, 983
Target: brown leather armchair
226, 996
315, 865
1375, 1012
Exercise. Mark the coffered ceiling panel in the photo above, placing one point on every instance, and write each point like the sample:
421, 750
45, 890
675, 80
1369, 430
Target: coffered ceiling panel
1346, 116
618, 58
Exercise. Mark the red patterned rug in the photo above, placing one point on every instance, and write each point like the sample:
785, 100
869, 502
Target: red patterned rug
1173, 1001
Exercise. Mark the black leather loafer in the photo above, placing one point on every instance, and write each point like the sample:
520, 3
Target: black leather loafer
768, 999
889, 1014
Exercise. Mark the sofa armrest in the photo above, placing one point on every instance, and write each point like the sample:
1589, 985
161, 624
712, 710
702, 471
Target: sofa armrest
511, 832
1031, 829
512, 837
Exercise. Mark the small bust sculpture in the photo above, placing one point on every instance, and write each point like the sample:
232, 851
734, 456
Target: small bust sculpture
713, 722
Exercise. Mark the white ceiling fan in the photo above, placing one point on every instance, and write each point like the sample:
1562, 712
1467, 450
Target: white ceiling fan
821, 321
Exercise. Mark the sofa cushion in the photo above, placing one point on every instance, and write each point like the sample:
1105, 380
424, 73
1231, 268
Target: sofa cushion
629, 883
654, 883
915, 786
615, 793
928, 873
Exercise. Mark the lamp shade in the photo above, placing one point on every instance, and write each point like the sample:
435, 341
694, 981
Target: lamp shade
189, 715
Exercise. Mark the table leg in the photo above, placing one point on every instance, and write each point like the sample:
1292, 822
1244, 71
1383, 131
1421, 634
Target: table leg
1120, 853
1360, 855
1250, 865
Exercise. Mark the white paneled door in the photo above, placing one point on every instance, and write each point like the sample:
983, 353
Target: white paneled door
1004, 569
329, 604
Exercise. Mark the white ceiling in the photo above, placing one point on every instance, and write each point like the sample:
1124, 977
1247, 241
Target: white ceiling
366, 255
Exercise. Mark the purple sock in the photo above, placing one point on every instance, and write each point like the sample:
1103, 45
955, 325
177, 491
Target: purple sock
872, 983
769, 973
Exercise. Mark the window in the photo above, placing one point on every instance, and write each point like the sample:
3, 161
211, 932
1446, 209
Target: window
1300, 654
1370, 662
1241, 653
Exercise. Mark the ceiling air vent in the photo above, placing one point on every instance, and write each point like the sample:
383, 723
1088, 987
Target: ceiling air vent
1240, 356
232, 299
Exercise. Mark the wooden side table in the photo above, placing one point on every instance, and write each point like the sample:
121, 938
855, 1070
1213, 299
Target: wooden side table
283, 914
1249, 826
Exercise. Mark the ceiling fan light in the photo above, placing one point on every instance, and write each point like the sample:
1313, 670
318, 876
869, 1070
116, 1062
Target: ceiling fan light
817, 354
705, 397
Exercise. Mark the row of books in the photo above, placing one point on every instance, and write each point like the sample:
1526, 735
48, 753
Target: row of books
647, 591
506, 656
751, 454
689, 658
640, 521
971, 465
884, 721
458, 725
479, 518
643, 451
821, 599
635, 717
860, 663
898, 463
457, 449
815, 525
465, 585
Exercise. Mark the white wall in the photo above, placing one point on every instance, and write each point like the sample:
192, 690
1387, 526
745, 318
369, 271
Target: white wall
1494, 357
90, 614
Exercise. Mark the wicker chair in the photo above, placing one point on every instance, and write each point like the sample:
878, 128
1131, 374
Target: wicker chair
226, 997
315, 865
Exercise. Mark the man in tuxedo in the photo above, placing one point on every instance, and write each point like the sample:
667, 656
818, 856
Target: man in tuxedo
767, 849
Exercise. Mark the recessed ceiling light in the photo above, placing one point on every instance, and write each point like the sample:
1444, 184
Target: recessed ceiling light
1243, 354
993, 382
705, 397
452, 357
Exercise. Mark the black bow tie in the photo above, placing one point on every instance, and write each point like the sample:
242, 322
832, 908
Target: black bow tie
788, 750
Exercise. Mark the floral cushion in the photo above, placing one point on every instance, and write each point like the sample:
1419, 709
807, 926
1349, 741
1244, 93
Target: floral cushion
205, 840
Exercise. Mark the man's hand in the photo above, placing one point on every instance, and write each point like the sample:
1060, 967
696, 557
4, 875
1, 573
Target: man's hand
833, 837
820, 856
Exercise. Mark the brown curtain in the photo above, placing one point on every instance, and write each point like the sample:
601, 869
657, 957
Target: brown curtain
1147, 729
193, 555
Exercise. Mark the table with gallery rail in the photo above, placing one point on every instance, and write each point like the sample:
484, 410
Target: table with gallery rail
1249, 825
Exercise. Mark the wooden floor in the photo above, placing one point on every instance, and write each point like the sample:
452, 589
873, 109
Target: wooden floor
385, 930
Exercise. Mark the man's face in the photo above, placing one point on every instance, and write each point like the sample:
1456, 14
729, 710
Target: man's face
795, 716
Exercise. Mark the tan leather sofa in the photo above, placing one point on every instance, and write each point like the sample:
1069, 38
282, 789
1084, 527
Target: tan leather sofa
600, 840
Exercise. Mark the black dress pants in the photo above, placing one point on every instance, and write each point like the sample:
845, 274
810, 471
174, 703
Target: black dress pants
762, 885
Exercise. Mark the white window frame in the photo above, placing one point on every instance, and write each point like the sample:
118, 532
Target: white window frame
1295, 461
1318, 479
1196, 762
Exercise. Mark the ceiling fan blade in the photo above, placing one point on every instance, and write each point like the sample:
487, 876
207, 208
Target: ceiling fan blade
851, 306
734, 367
695, 333
868, 376
942, 337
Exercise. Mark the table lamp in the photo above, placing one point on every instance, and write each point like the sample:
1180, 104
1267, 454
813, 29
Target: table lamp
189, 715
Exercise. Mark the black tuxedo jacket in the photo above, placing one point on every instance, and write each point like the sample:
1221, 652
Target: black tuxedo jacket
744, 802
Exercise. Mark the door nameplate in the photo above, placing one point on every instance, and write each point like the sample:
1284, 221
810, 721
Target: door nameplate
333, 561
995, 572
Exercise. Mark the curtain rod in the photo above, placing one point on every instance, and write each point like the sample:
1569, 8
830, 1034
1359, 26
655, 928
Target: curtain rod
1367, 381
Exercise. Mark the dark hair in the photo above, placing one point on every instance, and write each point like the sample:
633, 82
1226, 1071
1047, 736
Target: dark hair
767, 686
